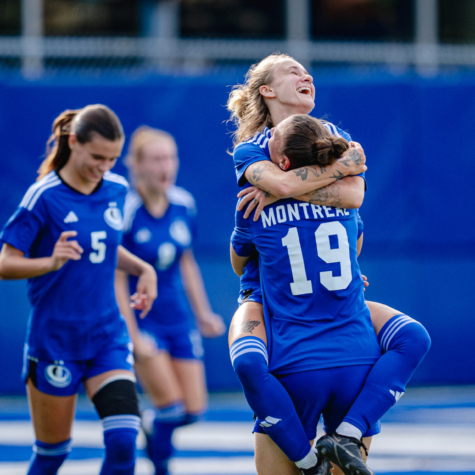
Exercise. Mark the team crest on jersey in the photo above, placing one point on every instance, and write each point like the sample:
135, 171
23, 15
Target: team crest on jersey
143, 235
180, 233
113, 217
58, 375
166, 255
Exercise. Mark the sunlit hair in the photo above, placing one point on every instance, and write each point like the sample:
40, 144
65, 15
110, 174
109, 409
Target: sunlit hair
249, 112
84, 123
305, 141
140, 139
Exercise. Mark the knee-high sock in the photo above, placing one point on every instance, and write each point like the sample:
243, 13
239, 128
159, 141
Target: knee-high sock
47, 458
268, 398
120, 434
405, 342
161, 423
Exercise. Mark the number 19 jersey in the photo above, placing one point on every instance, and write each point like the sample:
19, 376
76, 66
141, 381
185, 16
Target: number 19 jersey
74, 311
312, 286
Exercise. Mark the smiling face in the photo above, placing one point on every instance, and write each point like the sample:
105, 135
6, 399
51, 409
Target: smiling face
89, 161
291, 88
157, 166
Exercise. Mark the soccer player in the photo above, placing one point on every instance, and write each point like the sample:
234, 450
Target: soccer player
275, 88
65, 239
160, 224
321, 340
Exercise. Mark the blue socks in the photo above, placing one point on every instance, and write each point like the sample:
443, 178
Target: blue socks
268, 398
120, 434
159, 433
404, 342
47, 458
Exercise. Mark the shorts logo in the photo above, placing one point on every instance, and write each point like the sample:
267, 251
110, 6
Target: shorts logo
113, 217
269, 422
58, 376
397, 395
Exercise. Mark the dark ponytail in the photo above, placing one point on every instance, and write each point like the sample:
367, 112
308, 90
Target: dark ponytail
307, 142
83, 123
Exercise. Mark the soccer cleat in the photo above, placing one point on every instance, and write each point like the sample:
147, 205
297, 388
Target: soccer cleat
323, 467
344, 452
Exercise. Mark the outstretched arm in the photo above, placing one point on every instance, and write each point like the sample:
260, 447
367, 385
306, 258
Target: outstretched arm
270, 178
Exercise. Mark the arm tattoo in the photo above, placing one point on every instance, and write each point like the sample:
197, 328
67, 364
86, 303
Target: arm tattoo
257, 170
338, 175
266, 194
353, 157
303, 172
327, 196
246, 327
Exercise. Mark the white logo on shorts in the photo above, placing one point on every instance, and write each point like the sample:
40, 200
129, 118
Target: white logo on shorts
113, 217
58, 376
270, 421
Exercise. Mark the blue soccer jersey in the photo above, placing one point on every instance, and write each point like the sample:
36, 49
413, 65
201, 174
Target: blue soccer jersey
312, 285
74, 310
161, 242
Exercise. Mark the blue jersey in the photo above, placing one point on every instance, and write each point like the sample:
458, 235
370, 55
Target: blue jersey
312, 285
74, 310
254, 150
161, 242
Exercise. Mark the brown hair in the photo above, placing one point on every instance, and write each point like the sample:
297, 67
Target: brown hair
249, 112
306, 141
83, 123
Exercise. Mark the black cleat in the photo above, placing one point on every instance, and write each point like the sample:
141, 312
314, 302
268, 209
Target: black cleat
344, 452
322, 468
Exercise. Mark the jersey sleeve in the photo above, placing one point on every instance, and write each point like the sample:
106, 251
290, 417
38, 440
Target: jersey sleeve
360, 224
23, 227
246, 154
241, 239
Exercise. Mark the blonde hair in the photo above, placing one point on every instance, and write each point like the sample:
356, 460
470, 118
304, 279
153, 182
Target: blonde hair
95, 118
139, 139
249, 112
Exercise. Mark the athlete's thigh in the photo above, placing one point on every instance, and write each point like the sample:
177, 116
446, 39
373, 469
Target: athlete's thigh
191, 377
367, 441
248, 321
380, 314
158, 377
52, 416
270, 460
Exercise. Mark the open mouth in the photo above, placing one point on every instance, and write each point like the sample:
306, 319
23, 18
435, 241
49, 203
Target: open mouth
304, 90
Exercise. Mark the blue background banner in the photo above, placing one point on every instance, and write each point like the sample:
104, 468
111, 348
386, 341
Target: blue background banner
419, 250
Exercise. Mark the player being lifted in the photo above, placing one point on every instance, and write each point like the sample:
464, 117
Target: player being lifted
160, 225
65, 239
276, 88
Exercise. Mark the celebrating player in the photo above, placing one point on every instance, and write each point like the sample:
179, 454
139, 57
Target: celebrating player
316, 315
65, 239
160, 225
276, 88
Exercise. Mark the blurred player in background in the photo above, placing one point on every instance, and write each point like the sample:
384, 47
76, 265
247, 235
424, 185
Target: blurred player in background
160, 225
276, 88
65, 239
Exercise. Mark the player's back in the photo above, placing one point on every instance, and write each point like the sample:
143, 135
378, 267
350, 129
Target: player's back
312, 285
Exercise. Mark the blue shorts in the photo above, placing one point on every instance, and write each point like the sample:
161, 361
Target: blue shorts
63, 378
324, 392
184, 344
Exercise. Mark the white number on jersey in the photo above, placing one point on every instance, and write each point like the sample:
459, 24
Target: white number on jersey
301, 285
97, 245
